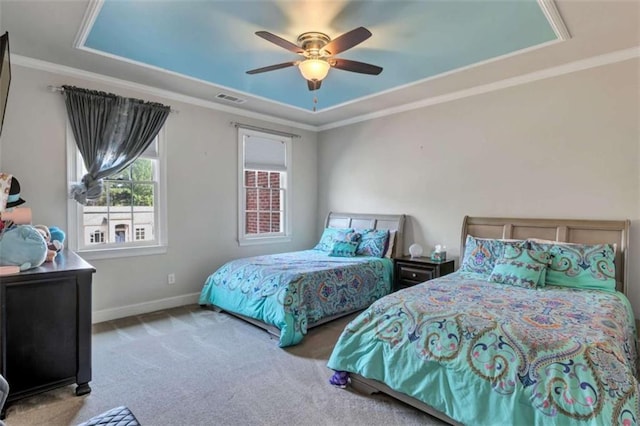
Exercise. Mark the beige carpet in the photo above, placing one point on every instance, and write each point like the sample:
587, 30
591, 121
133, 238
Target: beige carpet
192, 366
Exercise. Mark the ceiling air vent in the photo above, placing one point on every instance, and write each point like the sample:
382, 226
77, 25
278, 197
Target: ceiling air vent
230, 98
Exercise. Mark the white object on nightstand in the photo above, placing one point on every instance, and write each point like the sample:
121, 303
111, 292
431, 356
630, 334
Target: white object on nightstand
415, 250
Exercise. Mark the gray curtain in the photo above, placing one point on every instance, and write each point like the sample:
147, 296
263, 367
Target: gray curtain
111, 132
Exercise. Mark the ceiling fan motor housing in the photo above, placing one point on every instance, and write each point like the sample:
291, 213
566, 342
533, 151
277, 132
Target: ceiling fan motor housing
312, 43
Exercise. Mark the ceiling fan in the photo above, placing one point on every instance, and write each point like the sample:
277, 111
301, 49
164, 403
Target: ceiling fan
318, 51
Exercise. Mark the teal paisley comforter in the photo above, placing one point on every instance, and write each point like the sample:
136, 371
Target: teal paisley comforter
294, 290
492, 354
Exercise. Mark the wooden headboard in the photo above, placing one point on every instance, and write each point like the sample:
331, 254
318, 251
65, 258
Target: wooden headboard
371, 221
562, 230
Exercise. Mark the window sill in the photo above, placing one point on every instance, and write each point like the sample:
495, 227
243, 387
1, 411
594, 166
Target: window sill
114, 253
265, 240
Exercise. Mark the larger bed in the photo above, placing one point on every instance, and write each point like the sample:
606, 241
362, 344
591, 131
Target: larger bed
472, 351
289, 293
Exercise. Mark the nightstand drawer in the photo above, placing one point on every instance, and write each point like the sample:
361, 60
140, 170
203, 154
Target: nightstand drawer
415, 274
409, 271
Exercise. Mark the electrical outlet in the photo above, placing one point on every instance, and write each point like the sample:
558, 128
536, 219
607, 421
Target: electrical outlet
171, 278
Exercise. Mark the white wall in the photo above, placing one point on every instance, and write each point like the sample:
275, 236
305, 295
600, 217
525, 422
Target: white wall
202, 190
565, 147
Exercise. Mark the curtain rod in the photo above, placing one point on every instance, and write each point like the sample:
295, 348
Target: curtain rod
61, 90
263, 129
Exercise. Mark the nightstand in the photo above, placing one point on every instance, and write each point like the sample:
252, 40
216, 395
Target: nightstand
409, 271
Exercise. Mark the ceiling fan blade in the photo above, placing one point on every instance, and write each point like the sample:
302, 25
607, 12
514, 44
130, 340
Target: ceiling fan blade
272, 67
280, 41
314, 84
355, 66
347, 41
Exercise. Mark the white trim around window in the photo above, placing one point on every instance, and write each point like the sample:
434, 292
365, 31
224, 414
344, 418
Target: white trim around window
134, 248
270, 159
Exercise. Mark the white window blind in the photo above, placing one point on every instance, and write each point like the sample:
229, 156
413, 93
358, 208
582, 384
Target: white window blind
265, 154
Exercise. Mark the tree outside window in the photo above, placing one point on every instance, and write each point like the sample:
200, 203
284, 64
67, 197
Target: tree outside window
127, 202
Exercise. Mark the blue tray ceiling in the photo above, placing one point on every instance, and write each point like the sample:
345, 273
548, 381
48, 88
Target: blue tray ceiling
214, 41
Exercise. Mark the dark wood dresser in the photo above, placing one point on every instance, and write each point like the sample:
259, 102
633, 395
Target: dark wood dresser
45, 327
410, 271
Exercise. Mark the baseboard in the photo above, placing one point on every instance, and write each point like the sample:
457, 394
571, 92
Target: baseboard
143, 308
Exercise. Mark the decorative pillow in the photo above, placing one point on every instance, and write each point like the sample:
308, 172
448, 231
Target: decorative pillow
373, 242
562, 243
344, 249
329, 235
353, 236
391, 241
481, 254
521, 267
580, 265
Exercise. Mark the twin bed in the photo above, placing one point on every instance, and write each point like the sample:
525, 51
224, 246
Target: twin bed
471, 351
288, 293
527, 345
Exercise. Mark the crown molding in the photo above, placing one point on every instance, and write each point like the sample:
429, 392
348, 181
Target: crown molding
444, 74
90, 15
552, 14
554, 19
581, 65
125, 84
217, 87
89, 18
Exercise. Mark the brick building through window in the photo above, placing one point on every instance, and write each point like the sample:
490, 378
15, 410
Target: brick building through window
264, 201
264, 186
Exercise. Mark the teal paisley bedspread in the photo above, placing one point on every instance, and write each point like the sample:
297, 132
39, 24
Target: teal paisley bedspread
493, 354
294, 290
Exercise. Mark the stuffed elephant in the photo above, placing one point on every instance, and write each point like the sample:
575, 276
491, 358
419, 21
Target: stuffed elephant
22, 246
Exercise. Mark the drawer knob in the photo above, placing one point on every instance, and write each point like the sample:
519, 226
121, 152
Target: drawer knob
413, 275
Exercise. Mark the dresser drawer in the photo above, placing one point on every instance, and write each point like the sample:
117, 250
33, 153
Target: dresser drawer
409, 273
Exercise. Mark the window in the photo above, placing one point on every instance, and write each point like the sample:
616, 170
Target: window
264, 183
263, 208
96, 237
139, 234
129, 214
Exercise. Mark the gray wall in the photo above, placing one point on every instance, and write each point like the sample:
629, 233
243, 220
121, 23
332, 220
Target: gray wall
565, 147
562, 147
202, 190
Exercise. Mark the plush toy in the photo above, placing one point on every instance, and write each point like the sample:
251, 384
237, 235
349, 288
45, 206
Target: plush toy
23, 246
20, 245
57, 236
9, 200
52, 249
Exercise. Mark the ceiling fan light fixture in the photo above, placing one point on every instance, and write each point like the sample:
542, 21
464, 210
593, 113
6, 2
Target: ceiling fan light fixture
318, 51
314, 69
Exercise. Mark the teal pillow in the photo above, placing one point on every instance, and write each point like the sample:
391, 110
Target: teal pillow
481, 254
344, 249
329, 235
581, 265
373, 242
521, 267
